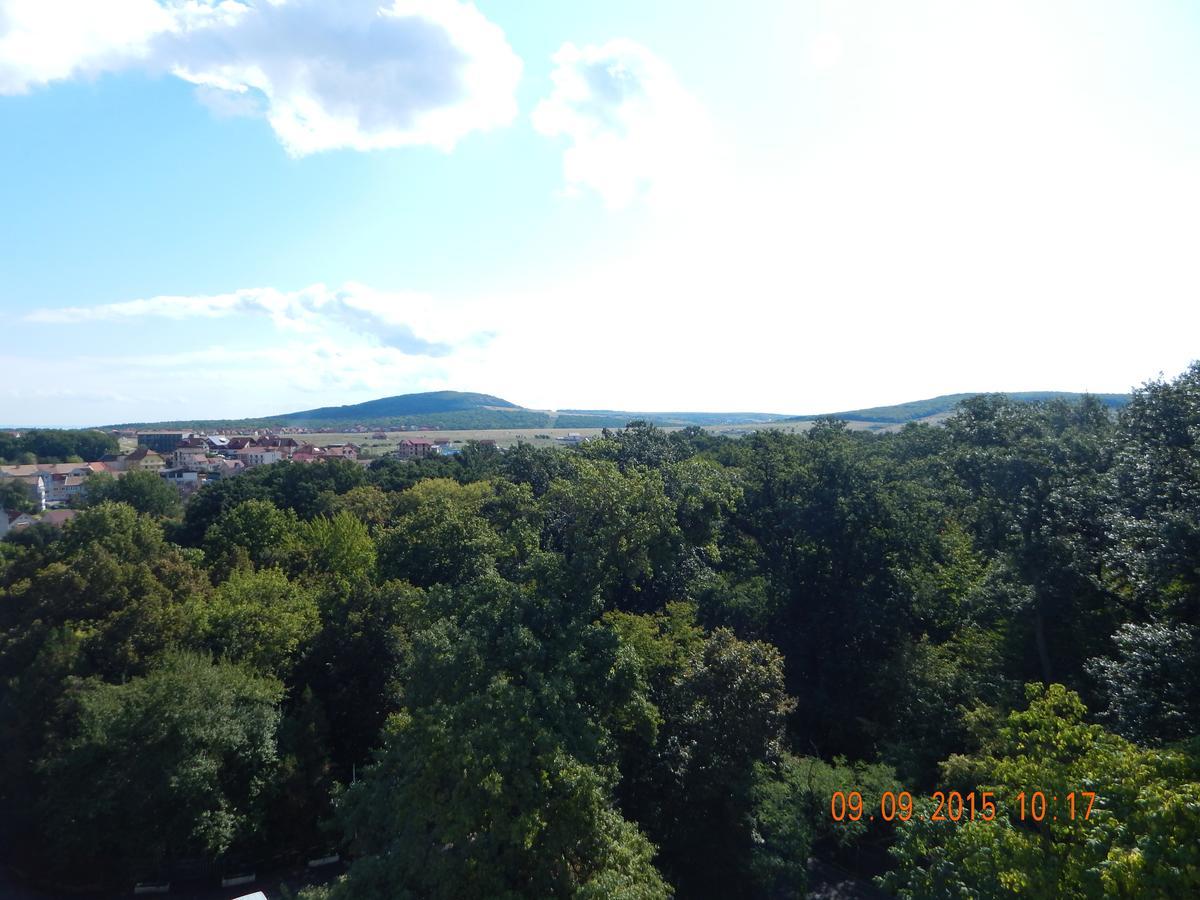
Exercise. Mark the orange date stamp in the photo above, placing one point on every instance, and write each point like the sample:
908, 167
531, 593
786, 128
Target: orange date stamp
963, 806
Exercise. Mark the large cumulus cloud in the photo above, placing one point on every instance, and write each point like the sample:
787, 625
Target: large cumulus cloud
361, 74
631, 127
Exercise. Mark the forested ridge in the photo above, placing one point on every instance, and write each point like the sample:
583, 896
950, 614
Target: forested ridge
635, 669
55, 446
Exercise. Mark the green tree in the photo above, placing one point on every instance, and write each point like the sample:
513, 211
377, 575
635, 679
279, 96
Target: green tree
790, 800
55, 445
614, 530
259, 618
1152, 684
367, 503
440, 535
834, 538
112, 578
491, 781
537, 467
718, 707
167, 765
1140, 840
1036, 479
15, 496
144, 491
355, 664
639, 444
254, 532
1155, 513
338, 547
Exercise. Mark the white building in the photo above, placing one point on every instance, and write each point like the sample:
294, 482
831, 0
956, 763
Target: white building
190, 457
258, 456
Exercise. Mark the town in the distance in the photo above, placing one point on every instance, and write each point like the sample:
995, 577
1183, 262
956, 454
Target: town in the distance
188, 460
53, 473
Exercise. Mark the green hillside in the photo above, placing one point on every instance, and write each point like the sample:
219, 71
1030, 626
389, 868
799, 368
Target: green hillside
946, 404
424, 404
462, 411
458, 410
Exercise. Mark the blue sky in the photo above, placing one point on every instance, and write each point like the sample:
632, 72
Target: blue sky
238, 208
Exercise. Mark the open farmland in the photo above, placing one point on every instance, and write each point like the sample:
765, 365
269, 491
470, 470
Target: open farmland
504, 437
509, 437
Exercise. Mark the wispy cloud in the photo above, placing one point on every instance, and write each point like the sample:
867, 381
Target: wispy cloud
385, 318
359, 74
631, 125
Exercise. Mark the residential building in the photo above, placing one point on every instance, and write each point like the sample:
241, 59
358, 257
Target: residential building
113, 462
345, 451
54, 483
258, 456
162, 441
58, 517
284, 445
145, 460
223, 468
414, 449
24, 520
62, 489
307, 453
186, 480
187, 456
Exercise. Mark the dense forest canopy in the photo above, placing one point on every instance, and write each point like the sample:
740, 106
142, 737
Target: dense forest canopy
52, 445
639, 668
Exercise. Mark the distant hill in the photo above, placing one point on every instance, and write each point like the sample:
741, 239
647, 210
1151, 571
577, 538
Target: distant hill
576, 418
917, 410
401, 407
442, 409
458, 410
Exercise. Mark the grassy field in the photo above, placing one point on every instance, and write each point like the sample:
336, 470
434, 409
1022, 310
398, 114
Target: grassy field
504, 437
508, 437
541, 437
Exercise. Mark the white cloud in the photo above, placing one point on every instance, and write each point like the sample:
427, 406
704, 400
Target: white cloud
632, 126
390, 319
359, 74
49, 40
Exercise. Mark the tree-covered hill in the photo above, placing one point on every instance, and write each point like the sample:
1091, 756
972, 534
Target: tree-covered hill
946, 404
456, 410
404, 405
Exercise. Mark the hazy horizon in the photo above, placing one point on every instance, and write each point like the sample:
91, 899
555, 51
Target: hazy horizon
663, 410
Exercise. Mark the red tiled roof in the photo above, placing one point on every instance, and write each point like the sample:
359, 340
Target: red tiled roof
58, 517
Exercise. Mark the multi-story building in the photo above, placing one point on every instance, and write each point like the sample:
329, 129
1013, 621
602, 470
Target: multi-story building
62, 489
414, 449
162, 441
258, 456
145, 460
189, 457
